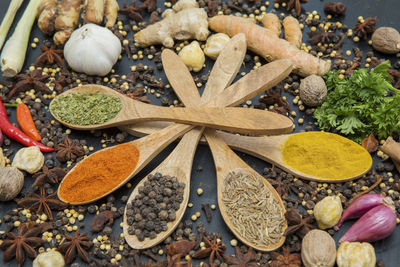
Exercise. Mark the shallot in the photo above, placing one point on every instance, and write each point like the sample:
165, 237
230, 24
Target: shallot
361, 205
376, 224
1, 138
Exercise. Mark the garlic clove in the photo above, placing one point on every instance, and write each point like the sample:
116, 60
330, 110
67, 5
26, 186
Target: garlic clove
50, 258
193, 56
214, 45
328, 211
29, 159
356, 254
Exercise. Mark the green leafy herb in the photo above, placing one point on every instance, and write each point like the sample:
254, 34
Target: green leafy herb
86, 108
362, 104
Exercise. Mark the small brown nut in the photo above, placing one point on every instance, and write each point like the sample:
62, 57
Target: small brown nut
386, 40
313, 90
11, 183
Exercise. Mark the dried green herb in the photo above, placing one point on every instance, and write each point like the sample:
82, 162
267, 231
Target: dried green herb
252, 209
86, 108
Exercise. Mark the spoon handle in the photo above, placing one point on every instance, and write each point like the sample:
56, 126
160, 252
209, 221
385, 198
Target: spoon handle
247, 121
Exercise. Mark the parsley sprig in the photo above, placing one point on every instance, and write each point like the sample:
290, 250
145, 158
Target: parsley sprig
364, 103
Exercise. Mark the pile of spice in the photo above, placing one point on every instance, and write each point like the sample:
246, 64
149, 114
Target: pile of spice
325, 155
154, 206
86, 108
100, 173
251, 207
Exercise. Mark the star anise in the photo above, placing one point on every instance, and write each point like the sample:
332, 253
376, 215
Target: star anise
363, 29
296, 4
274, 97
51, 176
242, 260
78, 243
335, 9
101, 220
297, 224
31, 80
321, 36
60, 83
43, 203
24, 243
285, 259
50, 55
213, 249
281, 185
135, 12
69, 150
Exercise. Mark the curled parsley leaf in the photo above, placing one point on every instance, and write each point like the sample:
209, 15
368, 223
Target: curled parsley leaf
362, 104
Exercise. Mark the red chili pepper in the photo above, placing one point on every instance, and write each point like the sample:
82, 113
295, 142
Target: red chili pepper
26, 123
14, 133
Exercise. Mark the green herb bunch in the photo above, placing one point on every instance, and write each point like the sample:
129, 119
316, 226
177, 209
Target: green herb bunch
362, 104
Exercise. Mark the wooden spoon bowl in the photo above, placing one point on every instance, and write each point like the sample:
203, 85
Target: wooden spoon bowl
251, 121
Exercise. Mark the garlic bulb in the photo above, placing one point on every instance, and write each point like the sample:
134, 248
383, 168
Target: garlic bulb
318, 249
29, 159
50, 258
92, 49
328, 211
193, 56
355, 254
215, 43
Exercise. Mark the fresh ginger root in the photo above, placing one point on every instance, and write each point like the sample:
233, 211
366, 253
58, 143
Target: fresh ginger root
186, 24
185, 4
110, 12
272, 23
48, 13
292, 31
67, 20
93, 11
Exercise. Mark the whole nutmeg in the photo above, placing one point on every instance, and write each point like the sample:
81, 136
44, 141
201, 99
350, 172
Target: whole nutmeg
386, 40
11, 183
313, 90
318, 249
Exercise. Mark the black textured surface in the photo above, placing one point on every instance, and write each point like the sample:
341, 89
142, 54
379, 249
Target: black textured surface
387, 13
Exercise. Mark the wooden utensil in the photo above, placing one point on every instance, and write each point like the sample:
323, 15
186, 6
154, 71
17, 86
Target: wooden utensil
252, 84
153, 144
179, 162
269, 148
240, 120
227, 161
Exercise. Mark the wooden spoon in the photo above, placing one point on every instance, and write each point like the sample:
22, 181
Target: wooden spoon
269, 148
179, 162
227, 161
240, 120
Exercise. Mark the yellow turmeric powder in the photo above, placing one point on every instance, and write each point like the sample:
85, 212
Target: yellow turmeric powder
325, 155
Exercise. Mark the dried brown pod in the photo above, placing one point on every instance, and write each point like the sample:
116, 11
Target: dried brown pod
335, 8
318, 249
386, 40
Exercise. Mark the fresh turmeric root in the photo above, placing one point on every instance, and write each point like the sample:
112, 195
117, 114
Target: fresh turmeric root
67, 20
292, 31
93, 11
47, 16
265, 43
110, 12
272, 23
183, 25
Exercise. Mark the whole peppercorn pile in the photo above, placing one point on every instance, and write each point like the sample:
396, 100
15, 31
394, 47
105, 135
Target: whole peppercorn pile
156, 204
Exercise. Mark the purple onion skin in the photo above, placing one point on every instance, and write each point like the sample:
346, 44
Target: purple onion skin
361, 205
1, 138
376, 224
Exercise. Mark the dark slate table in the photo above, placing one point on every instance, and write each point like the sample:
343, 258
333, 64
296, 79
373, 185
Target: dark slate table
203, 173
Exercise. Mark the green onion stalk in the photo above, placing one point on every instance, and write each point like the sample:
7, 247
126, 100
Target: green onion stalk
14, 51
8, 20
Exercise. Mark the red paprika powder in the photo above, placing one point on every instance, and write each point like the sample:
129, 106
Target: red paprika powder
99, 173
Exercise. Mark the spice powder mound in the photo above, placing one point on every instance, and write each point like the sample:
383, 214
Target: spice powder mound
325, 155
98, 174
252, 209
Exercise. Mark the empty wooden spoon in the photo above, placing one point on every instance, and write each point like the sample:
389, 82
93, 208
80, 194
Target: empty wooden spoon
240, 120
226, 162
179, 162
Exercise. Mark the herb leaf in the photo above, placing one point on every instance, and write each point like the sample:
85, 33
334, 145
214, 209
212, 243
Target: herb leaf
362, 104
